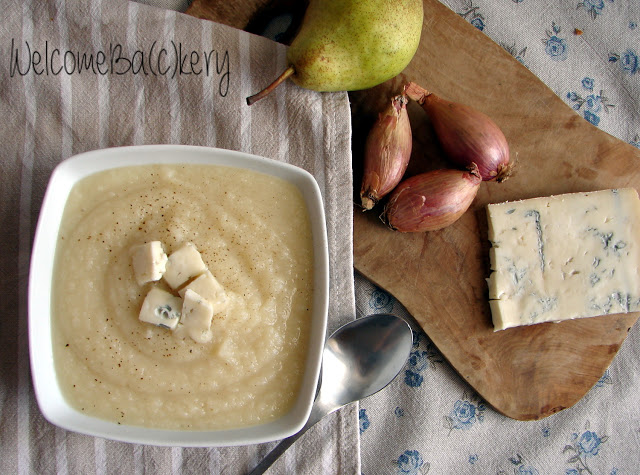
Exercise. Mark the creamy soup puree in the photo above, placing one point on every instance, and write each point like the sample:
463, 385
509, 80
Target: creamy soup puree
254, 234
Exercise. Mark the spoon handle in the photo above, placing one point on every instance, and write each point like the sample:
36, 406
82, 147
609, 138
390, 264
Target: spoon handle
317, 413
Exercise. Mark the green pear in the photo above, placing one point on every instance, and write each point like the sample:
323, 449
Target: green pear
349, 45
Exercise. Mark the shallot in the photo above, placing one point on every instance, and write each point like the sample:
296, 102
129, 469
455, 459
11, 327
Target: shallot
467, 135
387, 152
431, 200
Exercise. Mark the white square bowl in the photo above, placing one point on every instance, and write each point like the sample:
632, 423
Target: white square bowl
47, 390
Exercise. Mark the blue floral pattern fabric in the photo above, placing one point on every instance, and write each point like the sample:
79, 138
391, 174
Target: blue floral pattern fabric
429, 420
582, 448
465, 413
591, 105
568, 41
555, 46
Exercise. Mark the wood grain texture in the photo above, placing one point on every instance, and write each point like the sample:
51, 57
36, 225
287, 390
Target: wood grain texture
525, 373
236, 14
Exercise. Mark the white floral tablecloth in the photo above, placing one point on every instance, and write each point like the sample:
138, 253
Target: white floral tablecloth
429, 420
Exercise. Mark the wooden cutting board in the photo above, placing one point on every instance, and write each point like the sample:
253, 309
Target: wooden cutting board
524, 373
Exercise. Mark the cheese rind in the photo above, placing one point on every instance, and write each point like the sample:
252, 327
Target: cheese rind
183, 264
562, 257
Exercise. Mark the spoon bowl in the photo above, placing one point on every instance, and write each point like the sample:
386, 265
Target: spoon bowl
363, 357
359, 359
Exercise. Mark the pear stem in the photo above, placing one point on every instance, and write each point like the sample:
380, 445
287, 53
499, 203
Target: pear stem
267, 90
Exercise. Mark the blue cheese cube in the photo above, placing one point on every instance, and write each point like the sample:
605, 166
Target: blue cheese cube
562, 257
149, 262
161, 308
183, 264
197, 313
210, 289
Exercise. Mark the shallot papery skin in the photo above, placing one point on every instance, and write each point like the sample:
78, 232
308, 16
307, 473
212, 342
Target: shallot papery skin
387, 152
432, 200
466, 135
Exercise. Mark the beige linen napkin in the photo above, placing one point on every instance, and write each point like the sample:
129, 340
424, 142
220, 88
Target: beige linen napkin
79, 75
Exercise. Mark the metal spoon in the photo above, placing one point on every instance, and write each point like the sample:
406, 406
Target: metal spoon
359, 359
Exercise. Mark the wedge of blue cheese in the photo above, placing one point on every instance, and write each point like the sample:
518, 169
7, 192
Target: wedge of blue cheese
563, 257
197, 314
207, 286
182, 265
149, 262
161, 308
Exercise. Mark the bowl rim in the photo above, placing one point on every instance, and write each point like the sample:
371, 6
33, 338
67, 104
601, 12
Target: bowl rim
47, 390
